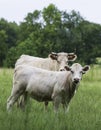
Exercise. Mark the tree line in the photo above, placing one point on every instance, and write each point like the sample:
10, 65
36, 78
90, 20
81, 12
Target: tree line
49, 30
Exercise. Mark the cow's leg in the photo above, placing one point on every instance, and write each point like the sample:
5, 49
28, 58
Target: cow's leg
46, 105
56, 103
56, 97
23, 100
18, 101
12, 99
15, 94
66, 107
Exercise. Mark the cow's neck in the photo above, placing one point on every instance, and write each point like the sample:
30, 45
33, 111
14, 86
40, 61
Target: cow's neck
72, 89
69, 86
53, 65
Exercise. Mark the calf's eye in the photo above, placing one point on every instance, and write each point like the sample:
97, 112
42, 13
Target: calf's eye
81, 72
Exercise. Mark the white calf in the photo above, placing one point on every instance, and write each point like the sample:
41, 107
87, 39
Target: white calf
43, 85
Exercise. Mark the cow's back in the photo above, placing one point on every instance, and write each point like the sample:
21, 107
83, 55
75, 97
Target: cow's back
44, 63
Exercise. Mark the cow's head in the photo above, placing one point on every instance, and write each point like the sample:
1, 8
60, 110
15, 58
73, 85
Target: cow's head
77, 71
62, 59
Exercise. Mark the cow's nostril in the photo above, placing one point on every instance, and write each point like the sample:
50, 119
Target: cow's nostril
76, 80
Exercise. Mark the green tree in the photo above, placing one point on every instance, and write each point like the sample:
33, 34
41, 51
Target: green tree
8, 38
3, 46
11, 30
30, 24
90, 45
49, 30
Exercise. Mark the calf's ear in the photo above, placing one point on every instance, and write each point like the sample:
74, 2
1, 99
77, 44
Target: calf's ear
53, 56
85, 68
72, 57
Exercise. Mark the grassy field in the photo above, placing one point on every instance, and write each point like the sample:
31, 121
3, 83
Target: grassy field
84, 111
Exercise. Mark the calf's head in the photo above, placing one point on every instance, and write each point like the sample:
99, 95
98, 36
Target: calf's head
77, 71
62, 59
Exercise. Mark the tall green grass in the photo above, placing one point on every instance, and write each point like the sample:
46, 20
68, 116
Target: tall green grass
84, 110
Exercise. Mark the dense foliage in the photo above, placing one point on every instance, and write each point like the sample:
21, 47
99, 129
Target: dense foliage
49, 30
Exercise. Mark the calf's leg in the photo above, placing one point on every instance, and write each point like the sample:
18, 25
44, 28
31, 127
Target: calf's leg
66, 107
46, 105
11, 100
56, 103
15, 94
23, 100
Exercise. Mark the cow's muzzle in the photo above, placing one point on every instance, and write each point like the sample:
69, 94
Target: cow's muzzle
76, 80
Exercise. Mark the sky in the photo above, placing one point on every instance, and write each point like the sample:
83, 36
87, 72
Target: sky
17, 10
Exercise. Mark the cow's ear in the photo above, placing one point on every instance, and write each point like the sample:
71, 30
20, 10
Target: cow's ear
72, 57
85, 68
67, 68
53, 56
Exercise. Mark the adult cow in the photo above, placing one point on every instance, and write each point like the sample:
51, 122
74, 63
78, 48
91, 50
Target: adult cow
54, 62
43, 85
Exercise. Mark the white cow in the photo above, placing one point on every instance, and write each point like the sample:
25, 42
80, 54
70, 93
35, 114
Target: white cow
55, 61
43, 85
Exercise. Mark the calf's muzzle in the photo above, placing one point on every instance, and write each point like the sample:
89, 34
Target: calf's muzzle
76, 80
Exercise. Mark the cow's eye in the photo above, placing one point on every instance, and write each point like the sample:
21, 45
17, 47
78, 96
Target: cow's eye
81, 72
58, 61
72, 72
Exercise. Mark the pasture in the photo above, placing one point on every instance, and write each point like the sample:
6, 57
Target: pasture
84, 110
